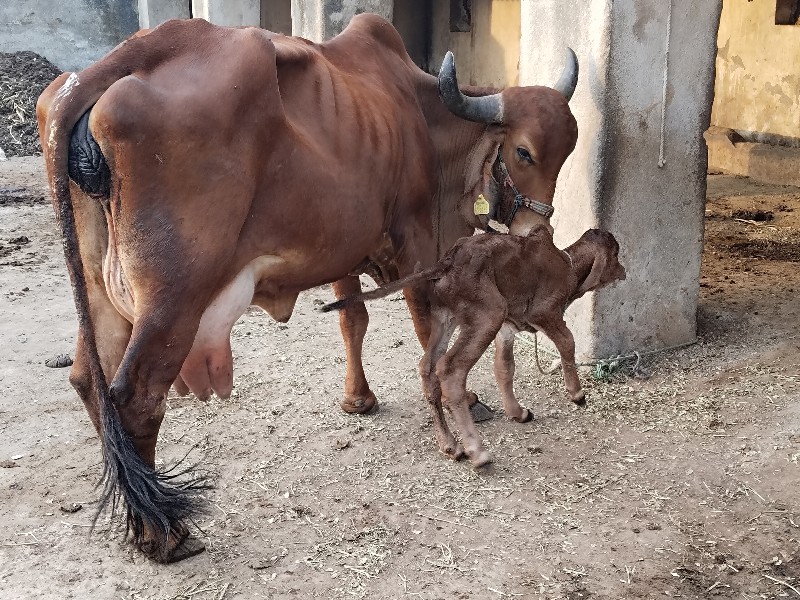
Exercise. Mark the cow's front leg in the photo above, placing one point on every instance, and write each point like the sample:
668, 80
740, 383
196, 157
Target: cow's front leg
353, 321
504, 369
556, 329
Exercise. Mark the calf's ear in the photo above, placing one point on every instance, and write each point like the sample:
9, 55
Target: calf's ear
595, 277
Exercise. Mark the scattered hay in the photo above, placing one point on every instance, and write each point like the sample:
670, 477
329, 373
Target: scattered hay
768, 249
23, 76
357, 557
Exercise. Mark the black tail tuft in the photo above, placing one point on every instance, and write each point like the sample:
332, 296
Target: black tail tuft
155, 500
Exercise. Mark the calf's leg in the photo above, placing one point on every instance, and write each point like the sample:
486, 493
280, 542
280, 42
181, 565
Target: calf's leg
420, 312
441, 331
452, 370
353, 321
504, 369
556, 329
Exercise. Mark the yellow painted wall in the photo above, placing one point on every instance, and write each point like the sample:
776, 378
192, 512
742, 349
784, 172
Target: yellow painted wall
758, 71
489, 54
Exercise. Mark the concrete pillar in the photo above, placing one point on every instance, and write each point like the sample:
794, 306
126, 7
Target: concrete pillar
154, 12
228, 12
638, 175
320, 20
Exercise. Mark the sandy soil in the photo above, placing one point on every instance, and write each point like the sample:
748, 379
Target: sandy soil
686, 484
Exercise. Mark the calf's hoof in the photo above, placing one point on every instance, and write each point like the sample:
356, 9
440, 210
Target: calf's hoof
360, 405
453, 451
478, 410
480, 459
525, 417
579, 398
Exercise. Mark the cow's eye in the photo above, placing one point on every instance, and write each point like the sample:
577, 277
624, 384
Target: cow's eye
524, 155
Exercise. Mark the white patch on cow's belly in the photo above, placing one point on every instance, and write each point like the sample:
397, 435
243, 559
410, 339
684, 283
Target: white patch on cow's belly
209, 365
208, 368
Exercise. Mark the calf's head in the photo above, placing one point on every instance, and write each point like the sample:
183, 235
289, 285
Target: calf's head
595, 261
530, 133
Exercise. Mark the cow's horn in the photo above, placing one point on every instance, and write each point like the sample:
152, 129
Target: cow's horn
569, 77
482, 109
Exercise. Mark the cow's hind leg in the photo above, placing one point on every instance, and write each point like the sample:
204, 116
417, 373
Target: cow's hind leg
353, 321
158, 505
504, 369
115, 331
442, 328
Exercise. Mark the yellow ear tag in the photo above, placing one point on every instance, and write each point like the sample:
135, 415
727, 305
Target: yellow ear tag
481, 206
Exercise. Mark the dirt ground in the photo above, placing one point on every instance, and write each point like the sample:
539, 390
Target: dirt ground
685, 484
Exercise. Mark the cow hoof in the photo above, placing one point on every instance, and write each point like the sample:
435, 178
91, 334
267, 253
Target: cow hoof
188, 548
579, 398
480, 412
481, 459
525, 417
179, 546
360, 405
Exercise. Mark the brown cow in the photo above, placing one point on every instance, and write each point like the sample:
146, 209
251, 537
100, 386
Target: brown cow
199, 169
220, 167
504, 145
491, 287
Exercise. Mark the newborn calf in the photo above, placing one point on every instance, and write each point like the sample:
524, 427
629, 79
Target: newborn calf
492, 286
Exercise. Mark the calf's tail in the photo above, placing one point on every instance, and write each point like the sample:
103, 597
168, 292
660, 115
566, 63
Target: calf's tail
435, 272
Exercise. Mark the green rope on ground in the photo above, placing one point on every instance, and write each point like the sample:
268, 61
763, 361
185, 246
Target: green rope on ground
604, 368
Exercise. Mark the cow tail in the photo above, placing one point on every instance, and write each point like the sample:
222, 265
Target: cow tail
153, 500
434, 272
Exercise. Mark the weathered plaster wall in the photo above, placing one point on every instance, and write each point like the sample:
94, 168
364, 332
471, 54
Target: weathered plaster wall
69, 33
613, 179
757, 91
656, 213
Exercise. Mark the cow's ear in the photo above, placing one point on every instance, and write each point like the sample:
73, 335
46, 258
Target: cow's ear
480, 160
595, 278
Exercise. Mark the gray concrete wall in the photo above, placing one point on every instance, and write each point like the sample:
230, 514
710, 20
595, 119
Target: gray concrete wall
613, 179
548, 27
154, 12
320, 20
69, 33
232, 13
